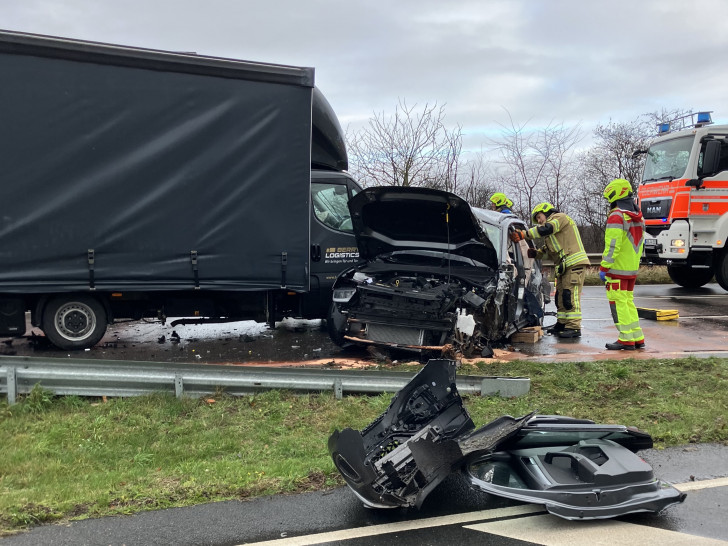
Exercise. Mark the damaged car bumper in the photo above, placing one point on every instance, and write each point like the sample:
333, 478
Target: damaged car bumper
576, 468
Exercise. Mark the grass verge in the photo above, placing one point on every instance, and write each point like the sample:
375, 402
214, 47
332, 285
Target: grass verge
68, 458
648, 274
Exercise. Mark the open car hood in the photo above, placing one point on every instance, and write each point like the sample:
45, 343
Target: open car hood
390, 218
577, 469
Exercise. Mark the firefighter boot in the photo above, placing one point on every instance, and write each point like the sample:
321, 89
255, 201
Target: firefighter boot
569, 333
555, 328
618, 346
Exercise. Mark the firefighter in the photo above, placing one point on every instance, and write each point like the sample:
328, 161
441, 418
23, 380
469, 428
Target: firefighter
499, 202
623, 242
564, 246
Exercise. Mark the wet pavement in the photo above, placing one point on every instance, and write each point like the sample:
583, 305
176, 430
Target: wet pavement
700, 330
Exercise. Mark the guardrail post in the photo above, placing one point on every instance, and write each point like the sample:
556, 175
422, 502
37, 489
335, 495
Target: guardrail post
179, 387
338, 389
12, 385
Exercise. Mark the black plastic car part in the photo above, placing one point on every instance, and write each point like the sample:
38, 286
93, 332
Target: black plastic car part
576, 468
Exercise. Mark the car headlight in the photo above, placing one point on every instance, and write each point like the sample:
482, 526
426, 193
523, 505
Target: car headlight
343, 295
677, 242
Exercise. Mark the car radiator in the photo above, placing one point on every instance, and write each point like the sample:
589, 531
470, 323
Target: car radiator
395, 334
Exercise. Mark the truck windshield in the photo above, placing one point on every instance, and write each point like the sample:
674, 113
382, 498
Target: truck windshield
667, 160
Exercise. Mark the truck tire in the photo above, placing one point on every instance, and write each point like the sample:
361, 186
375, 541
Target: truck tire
720, 264
689, 277
74, 322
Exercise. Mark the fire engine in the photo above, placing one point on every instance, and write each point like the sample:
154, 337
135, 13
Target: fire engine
684, 200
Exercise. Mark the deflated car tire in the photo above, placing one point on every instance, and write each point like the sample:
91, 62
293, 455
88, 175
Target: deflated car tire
336, 324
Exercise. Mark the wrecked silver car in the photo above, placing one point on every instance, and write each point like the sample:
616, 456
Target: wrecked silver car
576, 468
439, 275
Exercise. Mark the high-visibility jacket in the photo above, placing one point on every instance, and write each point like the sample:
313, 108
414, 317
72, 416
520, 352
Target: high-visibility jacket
563, 244
623, 242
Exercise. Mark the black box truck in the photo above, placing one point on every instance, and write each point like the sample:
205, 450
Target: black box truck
140, 183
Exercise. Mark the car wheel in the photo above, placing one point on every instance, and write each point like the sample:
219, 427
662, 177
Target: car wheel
74, 322
336, 326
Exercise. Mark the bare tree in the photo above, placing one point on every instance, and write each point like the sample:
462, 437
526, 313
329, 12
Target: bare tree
613, 156
477, 180
408, 148
536, 165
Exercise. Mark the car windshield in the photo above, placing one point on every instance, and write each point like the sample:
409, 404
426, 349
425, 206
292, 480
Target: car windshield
667, 160
494, 235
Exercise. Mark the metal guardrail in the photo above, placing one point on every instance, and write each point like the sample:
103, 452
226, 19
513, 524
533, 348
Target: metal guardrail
18, 375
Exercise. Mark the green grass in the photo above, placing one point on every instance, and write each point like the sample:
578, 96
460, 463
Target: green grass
66, 457
648, 274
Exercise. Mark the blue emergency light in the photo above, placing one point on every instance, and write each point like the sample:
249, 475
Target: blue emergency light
704, 117
663, 128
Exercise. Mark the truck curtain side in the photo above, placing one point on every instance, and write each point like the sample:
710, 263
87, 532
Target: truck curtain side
132, 171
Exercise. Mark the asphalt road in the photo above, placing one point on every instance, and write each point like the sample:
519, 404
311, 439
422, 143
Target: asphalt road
451, 514
701, 329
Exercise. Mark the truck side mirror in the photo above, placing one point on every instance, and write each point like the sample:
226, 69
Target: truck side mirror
711, 158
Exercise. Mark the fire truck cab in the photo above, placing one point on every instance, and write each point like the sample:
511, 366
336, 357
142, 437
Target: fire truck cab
684, 200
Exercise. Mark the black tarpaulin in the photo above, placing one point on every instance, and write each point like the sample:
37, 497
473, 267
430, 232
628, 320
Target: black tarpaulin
145, 167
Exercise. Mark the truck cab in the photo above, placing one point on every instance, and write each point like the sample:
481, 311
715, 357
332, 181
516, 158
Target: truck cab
684, 200
333, 246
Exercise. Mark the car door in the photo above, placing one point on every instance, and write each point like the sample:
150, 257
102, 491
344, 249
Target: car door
576, 468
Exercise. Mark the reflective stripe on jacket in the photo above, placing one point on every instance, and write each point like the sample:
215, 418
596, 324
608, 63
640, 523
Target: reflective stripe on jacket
564, 244
623, 242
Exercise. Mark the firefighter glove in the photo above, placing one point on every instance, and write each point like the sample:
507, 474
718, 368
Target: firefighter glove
603, 276
518, 235
532, 252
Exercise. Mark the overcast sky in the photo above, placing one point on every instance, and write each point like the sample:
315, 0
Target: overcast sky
562, 61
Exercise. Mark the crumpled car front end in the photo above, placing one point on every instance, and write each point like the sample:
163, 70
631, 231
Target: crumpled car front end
434, 279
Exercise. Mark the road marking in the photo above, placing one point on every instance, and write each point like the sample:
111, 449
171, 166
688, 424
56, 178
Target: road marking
547, 530
685, 297
704, 316
531, 510
701, 484
358, 532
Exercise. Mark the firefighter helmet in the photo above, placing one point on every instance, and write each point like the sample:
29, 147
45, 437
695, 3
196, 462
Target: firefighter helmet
499, 199
617, 189
546, 208
509, 203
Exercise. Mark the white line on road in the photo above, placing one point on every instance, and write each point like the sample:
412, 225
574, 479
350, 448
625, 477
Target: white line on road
550, 531
495, 514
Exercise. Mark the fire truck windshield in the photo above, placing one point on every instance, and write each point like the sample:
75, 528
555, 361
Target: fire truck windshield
668, 159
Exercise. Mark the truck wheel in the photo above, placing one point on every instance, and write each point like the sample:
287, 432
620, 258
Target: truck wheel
721, 267
74, 322
689, 277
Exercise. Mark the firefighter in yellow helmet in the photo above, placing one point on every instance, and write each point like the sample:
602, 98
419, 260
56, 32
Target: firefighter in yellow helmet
563, 245
501, 203
623, 242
